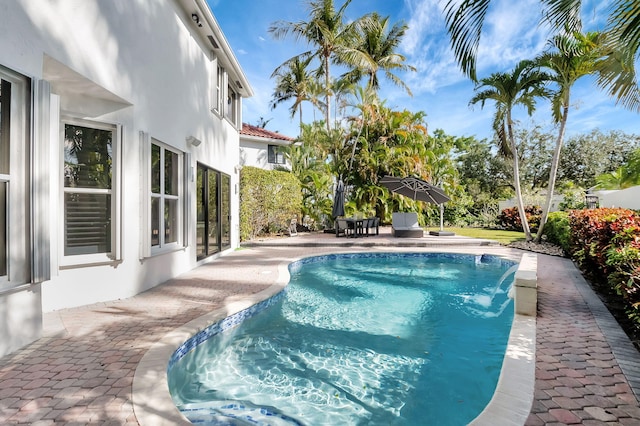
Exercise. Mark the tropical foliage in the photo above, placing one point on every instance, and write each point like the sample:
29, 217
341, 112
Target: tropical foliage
623, 177
616, 70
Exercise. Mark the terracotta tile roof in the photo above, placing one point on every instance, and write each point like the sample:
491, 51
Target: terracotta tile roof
249, 130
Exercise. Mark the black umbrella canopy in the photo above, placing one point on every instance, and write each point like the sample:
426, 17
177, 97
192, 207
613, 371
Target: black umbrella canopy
338, 200
415, 188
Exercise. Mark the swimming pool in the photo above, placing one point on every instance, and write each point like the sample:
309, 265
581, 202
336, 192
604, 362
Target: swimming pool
395, 338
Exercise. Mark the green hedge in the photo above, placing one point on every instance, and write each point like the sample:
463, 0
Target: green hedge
269, 199
557, 230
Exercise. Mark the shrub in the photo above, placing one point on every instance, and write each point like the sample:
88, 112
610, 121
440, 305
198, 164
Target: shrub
509, 219
557, 230
269, 199
606, 243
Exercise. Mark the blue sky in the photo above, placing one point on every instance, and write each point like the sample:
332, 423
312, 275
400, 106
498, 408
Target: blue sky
439, 88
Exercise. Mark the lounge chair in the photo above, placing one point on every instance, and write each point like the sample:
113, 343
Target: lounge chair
406, 225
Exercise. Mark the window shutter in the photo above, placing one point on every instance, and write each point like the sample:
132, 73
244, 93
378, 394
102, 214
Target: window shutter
40, 188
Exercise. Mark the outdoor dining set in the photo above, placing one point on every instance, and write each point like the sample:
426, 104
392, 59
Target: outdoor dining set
356, 227
404, 224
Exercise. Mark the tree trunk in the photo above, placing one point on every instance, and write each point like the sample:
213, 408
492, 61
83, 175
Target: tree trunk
516, 181
552, 173
327, 81
300, 112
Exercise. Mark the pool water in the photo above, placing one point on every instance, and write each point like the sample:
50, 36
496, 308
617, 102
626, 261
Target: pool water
373, 339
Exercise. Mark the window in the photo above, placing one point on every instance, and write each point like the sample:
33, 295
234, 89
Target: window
89, 198
166, 195
231, 109
213, 211
275, 154
5, 178
15, 253
217, 96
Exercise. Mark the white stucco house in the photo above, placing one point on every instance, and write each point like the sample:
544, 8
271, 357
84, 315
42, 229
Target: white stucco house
628, 198
263, 148
119, 141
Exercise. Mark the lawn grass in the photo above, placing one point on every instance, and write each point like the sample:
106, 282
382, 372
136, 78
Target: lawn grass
503, 237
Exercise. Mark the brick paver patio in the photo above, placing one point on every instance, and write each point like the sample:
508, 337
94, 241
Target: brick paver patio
81, 371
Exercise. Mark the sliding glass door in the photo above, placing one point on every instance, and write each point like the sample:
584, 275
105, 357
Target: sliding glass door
213, 211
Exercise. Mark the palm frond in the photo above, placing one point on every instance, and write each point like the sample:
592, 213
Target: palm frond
464, 21
563, 14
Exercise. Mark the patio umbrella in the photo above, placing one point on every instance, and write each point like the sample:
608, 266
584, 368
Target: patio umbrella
415, 188
338, 200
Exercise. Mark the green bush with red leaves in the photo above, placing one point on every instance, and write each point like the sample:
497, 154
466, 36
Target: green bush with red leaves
606, 243
509, 219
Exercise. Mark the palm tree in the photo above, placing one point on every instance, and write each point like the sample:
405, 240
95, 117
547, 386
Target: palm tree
293, 82
574, 56
376, 50
327, 32
464, 20
507, 90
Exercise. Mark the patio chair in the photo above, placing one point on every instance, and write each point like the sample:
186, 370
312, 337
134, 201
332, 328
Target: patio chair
342, 227
373, 223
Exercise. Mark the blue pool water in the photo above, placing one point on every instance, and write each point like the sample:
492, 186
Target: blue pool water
358, 339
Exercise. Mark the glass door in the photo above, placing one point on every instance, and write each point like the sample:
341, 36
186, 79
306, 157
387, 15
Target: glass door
213, 211
225, 211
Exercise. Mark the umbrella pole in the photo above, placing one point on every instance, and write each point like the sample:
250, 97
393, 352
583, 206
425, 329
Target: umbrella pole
441, 217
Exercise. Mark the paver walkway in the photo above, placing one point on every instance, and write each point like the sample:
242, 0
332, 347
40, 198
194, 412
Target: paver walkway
579, 352
81, 371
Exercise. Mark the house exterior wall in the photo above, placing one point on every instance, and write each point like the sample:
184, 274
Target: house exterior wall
146, 69
626, 198
253, 152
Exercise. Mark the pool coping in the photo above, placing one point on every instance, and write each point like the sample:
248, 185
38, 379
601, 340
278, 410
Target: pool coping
153, 405
152, 402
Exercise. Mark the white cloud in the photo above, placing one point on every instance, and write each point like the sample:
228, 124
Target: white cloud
426, 46
426, 20
511, 33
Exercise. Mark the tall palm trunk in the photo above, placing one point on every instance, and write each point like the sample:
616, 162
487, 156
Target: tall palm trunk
554, 171
300, 114
516, 180
327, 81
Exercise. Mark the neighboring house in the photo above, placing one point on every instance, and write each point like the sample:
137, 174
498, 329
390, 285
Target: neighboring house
119, 139
628, 198
263, 148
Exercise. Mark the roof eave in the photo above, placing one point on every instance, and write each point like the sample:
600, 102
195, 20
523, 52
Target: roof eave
208, 25
262, 139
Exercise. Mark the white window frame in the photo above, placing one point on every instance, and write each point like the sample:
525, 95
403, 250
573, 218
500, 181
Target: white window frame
163, 247
278, 153
231, 106
215, 104
115, 193
218, 92
17, 213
